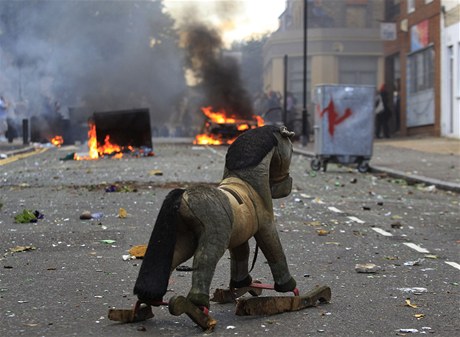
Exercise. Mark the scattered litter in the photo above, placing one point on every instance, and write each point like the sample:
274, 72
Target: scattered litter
408, 330
322, 232
128, 257
396, 225
122, 213
85, 215
184, 268
334, 209
317, 200
156, 173
138, 251
355, 219
409, 304
306, 196
368, 268
431, 188
97, 216
28, 216
19, 249
419, 316
118, 188
414, 290
231, 327
108, 241
431, 256
313, 223
353, 181
417, 262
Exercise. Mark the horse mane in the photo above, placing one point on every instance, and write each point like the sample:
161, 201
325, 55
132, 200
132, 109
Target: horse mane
251, 147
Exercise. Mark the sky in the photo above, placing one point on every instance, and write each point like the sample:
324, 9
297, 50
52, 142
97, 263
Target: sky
238, 19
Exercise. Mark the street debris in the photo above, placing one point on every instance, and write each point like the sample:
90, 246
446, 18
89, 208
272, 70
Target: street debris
323, 232
19, 249
408, 330
138, 251
414, 290
156, 173
424, 188
108, 241
184, 268
367, 268
120, 188
28, 216
409, 304
419, 316
396, 225
122, 213
417, 262
87, 215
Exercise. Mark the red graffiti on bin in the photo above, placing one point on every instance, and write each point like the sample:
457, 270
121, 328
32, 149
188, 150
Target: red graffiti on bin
333, 117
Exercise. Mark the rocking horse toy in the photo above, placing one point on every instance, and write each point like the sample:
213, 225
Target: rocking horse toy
203, 222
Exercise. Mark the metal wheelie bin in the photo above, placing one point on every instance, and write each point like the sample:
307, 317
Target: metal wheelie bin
344, 125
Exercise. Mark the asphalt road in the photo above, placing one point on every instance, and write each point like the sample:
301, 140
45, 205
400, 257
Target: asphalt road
65, 285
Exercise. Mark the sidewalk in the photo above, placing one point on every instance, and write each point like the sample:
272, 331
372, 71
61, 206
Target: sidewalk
430, 160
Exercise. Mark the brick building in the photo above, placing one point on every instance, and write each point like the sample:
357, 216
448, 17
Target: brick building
414, 63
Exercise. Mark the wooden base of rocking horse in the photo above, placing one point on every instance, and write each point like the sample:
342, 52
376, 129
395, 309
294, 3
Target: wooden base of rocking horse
231, 295
177, 305
139, 313
271, 305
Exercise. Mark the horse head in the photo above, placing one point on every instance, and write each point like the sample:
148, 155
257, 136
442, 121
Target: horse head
250, 149
280, 180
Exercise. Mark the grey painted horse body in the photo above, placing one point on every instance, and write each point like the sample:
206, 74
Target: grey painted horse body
203, 222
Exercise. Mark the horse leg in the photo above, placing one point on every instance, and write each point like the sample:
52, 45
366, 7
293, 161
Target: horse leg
211, 247
269, 242
239, 270
185, 247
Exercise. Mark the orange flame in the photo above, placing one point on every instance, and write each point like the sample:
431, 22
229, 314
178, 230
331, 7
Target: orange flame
220, 117
97, 150
57, 141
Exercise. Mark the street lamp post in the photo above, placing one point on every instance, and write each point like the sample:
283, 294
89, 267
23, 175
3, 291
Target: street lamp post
304, 108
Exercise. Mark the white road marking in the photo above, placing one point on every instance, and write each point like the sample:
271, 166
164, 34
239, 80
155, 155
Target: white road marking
381, 231
416, 247
453, 264
355, 219
334, 209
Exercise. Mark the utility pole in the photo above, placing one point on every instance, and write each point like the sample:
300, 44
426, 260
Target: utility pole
305, 56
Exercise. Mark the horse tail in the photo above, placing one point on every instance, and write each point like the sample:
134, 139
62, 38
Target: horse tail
152, 281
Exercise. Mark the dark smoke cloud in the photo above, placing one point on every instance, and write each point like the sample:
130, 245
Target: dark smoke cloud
219, 75
103, 55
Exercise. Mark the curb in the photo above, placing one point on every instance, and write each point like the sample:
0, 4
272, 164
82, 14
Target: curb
414, 179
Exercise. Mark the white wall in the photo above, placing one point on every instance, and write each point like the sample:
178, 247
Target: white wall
450, 81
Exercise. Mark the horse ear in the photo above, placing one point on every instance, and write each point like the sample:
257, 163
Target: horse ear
286, 133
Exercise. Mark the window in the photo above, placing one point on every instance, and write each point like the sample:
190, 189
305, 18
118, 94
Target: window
410, 6
358, 70
421, 68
